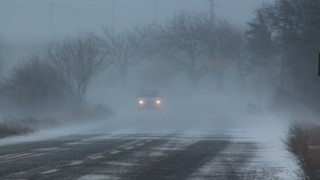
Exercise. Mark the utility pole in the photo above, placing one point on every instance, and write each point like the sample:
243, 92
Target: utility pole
155, 12
212, 14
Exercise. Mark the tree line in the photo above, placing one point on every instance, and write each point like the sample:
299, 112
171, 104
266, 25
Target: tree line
62, 72
284, 40
278, 47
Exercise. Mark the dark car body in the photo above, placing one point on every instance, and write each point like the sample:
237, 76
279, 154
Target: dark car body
149, 99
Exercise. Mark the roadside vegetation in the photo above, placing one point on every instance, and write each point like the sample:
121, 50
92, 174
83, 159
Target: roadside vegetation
303, 142
9, 130
284, 38
12, 126
51, 88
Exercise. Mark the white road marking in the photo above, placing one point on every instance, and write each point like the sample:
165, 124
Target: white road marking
76, 143
166, 148
19, 155
96, 157
46, 149
149, 141
114, 152
34, 155
74, 163
98, 177
129, 148
50, 171
141, 144
121, 163
7, 156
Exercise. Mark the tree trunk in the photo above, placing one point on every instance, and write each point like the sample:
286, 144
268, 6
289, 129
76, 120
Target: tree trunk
123, 77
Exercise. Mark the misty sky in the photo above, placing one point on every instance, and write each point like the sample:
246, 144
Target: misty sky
38, 20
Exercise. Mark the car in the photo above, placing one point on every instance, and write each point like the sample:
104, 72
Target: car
149, 99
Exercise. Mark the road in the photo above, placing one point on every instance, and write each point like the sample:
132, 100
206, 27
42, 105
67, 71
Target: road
128, 156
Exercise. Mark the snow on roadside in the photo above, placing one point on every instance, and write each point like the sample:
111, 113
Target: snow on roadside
269, 131
205, 114
45, 134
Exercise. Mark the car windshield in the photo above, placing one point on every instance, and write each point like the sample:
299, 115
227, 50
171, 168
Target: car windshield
149, 93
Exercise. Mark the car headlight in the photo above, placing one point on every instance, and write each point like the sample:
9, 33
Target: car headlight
141, 102
158, 102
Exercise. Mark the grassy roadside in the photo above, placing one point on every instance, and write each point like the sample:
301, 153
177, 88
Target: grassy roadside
303, 142
7, 131
14, 126
24, 124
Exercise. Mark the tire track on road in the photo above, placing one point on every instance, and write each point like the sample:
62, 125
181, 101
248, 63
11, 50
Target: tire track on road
104, 165
55, 159
180, 164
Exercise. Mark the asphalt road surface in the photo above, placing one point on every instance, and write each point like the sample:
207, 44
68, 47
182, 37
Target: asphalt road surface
128, 156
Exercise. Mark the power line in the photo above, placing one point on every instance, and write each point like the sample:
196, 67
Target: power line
80, 10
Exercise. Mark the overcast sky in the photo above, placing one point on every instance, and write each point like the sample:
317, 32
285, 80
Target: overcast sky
40, 20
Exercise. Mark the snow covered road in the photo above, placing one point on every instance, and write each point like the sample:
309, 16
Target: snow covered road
134, 156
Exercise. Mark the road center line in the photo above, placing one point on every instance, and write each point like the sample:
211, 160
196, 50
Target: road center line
121, 163
7, 156
46, 149
96, 157
74, 163
114, 152
19, 155
50, 171
129, 148
141, 144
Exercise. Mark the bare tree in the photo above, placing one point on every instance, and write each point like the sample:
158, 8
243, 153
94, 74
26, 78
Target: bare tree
181, 42
77, 60
293, 27
127, 49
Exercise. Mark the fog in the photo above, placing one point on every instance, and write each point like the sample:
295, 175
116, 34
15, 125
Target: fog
33, 21
235, 95
241, 70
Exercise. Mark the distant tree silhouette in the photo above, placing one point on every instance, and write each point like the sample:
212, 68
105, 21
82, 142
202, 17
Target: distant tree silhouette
34, 85
77, 60
127, 49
